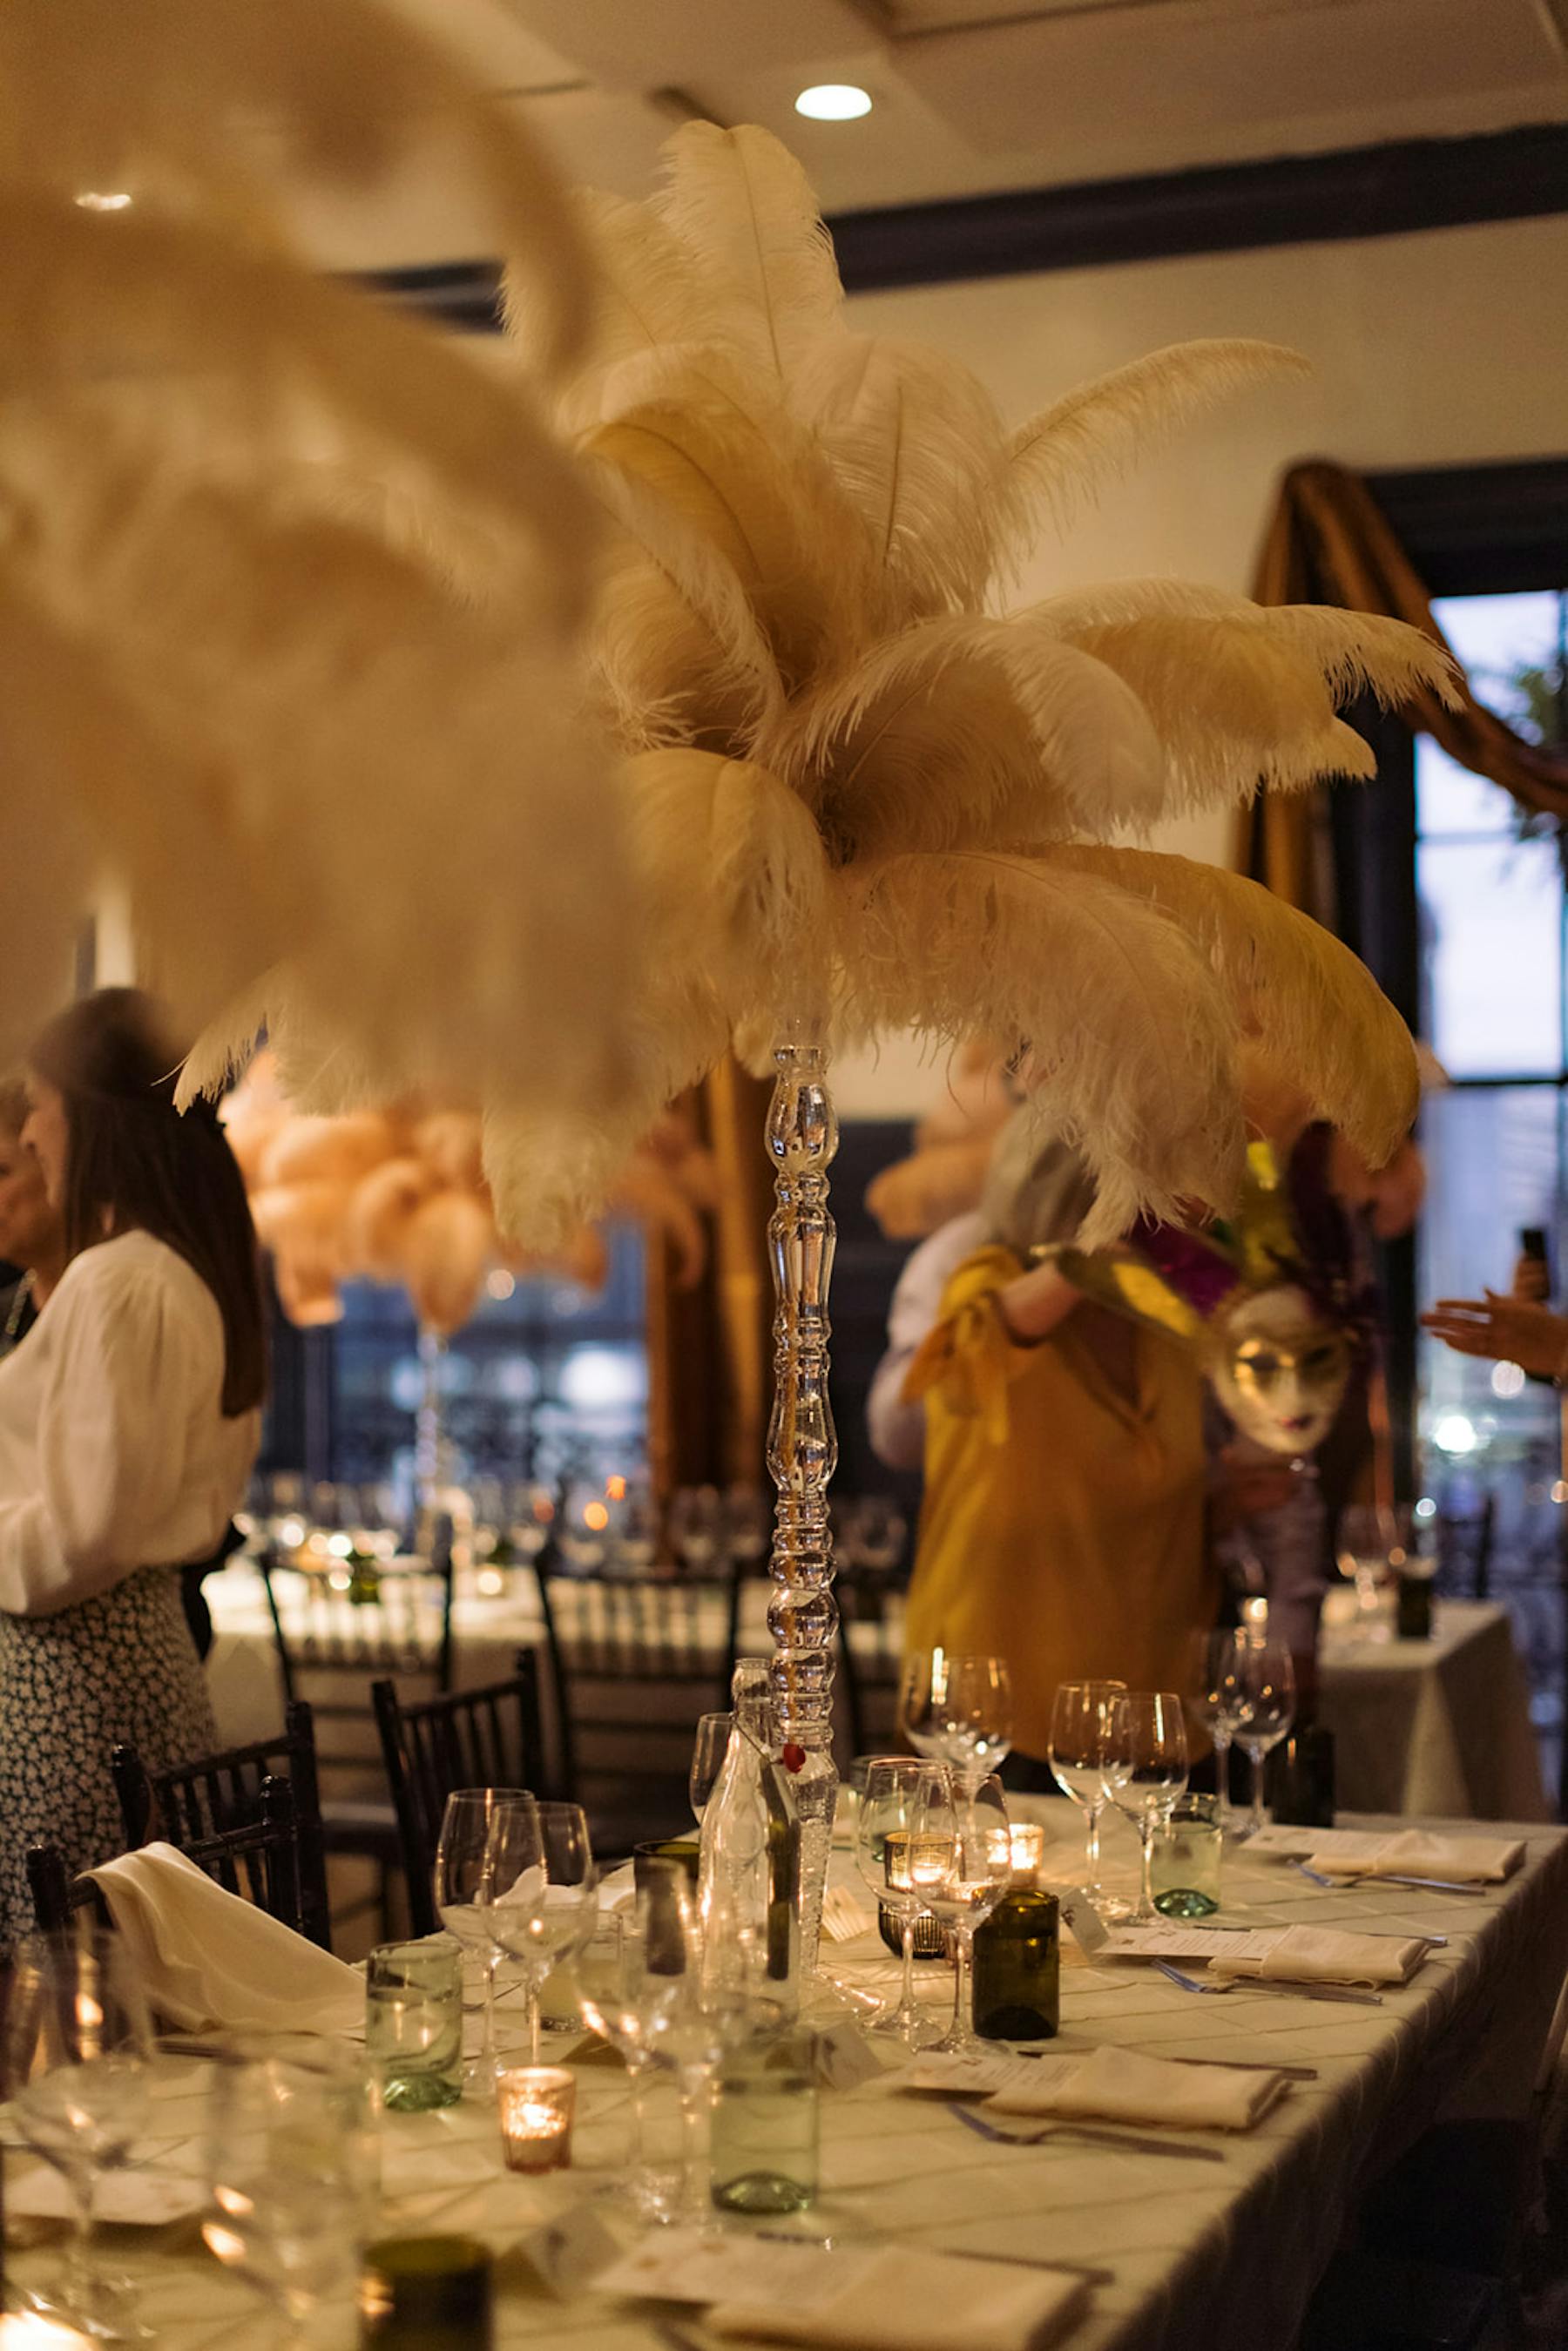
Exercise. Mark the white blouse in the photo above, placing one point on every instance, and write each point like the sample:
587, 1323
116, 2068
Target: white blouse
114, 1451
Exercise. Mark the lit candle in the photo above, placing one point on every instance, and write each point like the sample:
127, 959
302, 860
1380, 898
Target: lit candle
1027, 1840
535, 2104
26, 2331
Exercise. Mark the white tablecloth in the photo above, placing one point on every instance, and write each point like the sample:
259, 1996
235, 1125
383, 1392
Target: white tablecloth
1224, 2255
1438, 1727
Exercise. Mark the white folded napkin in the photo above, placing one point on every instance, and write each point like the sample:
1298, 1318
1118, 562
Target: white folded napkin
906, 2300
1330, 1955
1120, 2085
207, 1959
1417, 1852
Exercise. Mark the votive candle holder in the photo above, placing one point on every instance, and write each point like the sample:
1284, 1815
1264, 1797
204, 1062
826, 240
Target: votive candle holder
536, 2104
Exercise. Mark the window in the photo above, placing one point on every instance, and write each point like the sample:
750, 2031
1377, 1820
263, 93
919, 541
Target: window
1491, 907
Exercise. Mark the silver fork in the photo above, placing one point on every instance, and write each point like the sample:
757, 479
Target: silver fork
1434, 1885
1256, 1983
1096, 2137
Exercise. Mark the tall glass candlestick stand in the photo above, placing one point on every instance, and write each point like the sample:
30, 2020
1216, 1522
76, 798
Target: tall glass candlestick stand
802, 1453
432, 1453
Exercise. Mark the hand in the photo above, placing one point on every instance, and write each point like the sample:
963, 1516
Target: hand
1246, 1488
1507, 1329
1532, 1281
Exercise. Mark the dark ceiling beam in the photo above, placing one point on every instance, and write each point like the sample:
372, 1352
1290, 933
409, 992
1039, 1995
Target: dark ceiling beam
1355, 192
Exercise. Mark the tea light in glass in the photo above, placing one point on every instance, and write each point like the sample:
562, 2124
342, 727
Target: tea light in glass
536, 2105
1027, 1839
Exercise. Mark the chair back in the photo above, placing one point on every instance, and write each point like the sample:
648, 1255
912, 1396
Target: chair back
401, 1626
490, 1737
194, 1804
870, 1666
1464, 1541
633, 1662
259, 1860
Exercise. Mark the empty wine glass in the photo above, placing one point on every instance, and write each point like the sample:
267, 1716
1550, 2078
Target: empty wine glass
880, 1530
1080, 1718
612, 2000
1208, 1701
696, 1527
960, 1865
709, 1748
891, 1793
697, 1997
544, 1912
78, 2044
1259, 1693
1145, 1770
748, 1523
459, 1883
958, 1709
292, 2163
1370, 1541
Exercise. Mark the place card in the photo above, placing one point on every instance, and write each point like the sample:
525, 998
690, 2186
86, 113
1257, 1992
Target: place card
690, 2265
569, 2254
135, 2199
845, 2058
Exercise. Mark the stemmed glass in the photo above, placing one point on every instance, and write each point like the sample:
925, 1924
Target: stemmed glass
1259, 1693
612, 1999
1210, 1701
1145, 1770
1080, 1718
696, 1527
1369, 1542
542, 1931
482, 1828
696, 1997
957, 1709
960, 1865
709, 1748
78, 2044
892, 1794
291, 2159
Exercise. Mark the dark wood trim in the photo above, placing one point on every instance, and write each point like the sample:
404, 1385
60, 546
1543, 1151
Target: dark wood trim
1482, 530
1353, 191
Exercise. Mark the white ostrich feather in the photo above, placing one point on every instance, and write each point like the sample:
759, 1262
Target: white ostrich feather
676, 641
924, 743
917, 444
743, 205
1127, 1023
1059, 457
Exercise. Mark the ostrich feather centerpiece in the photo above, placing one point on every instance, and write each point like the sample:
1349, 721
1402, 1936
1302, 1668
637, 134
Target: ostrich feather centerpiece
289, 581
863, 800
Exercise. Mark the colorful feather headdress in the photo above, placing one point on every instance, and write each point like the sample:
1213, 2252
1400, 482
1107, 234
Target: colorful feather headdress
863, 800
289, 581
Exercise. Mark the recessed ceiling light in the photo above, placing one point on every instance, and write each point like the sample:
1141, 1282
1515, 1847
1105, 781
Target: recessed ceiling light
834, 102
92, 199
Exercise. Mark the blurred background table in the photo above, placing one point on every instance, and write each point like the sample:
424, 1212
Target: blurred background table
1440, 1727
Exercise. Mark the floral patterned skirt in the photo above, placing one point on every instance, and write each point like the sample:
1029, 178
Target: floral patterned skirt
120, 1667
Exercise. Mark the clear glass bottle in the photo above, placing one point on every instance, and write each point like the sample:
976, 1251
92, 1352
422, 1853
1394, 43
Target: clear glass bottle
748, 1868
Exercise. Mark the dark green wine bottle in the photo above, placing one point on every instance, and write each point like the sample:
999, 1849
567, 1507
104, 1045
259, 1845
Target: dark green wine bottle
1018, 1968
425, 2293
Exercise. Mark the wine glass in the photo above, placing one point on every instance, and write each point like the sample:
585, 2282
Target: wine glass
696, 1527
1080, 1716
78, 2045
292, 2159
709, 1748
748, 1523
1209, 1701
696, 1996
958, 1709
960, 1866
611, 1987
538, 1919
1368, 1543
891, 1790
881, 1529
459, 1879
1258, 1688
1144, 1768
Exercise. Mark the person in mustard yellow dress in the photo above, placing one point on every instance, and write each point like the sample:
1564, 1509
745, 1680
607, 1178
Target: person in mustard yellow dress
1065, 1520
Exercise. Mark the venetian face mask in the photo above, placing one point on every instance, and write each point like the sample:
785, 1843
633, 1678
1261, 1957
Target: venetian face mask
1280, 1368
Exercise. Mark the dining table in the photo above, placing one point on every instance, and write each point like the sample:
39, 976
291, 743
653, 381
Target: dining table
1179, 2249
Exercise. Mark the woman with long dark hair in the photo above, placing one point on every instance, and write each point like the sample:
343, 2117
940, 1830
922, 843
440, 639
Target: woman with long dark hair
128, 1425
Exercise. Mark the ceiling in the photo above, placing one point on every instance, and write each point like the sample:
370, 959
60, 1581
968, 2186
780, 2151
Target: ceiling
969, 96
